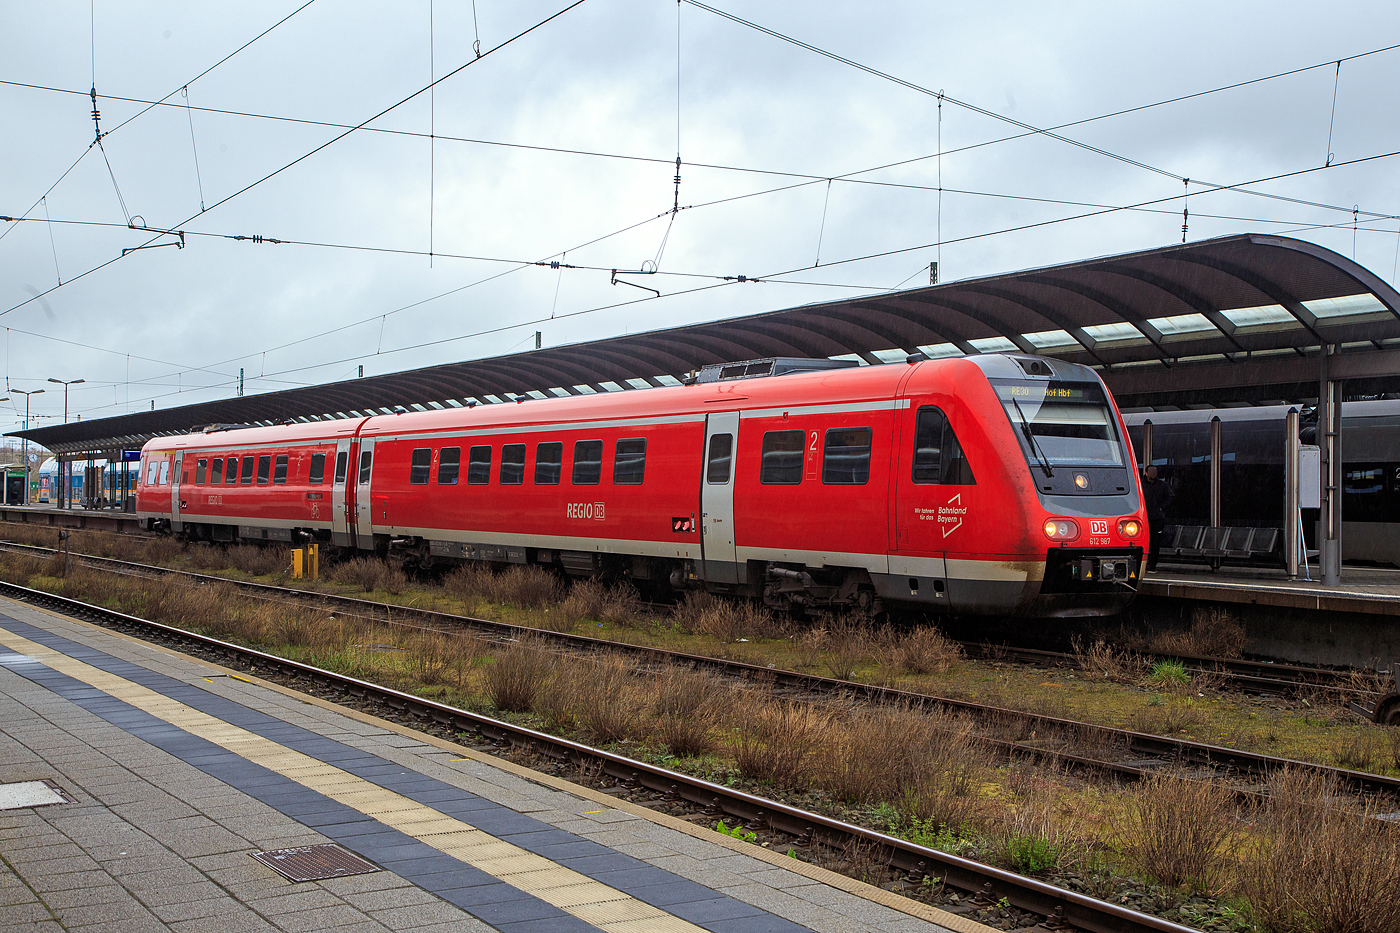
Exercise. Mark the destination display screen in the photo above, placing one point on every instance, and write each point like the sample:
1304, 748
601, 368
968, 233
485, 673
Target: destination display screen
1062, 423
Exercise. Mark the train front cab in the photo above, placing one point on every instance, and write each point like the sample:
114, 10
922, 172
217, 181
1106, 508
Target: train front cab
1092, 521
1014, 492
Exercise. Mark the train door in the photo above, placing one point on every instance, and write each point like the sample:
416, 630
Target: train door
343, 494
717, 498
364, 517
929, 516
176, 492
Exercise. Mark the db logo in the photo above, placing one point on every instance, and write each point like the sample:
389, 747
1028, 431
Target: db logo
1098, 528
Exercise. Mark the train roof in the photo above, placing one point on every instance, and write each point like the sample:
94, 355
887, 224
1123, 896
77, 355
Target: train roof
1371, 408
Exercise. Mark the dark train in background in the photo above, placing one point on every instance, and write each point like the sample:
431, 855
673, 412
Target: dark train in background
989, 484
1252, 459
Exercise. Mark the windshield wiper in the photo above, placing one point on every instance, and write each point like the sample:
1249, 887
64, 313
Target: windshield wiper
1030, 439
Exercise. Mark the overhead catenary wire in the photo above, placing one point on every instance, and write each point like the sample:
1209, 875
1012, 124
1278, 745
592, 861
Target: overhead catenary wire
1031, 130
150, 104
248, 187
194, 147
848, 177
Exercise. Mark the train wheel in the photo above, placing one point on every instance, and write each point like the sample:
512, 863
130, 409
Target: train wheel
1388, 711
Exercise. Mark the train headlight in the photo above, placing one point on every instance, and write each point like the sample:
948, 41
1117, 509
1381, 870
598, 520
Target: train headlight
1081, 480
1129, 528
1060, 529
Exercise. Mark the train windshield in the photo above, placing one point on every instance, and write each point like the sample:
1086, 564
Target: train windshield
1062, 423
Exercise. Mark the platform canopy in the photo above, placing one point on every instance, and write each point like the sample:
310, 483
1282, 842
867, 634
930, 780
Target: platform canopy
1239, 318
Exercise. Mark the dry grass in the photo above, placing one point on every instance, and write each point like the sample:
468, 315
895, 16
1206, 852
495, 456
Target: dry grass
1103, 662
729, 621
685, 711
1176, 830
612, 705
513, 682
1038, 831
926, 650
1215, 632
774, 738
593, 601
524, 585
1320, 864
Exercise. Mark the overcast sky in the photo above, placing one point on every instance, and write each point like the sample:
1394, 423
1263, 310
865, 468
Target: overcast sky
795, 167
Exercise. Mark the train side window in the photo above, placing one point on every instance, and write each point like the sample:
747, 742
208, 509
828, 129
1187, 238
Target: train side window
232, 476
782, 458
366, 461
479, 465
549, 460
512, 464
164, 472
449, 464
264, 468
246, 479
342, 462
216, 472
279, 471
588, 462
846, 457
422, 466
199, 469
630, 461
318, 470
152, 468
938, 457
721, 456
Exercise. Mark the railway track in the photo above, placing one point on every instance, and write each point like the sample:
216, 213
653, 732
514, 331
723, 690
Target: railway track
1014, 733
1061, 909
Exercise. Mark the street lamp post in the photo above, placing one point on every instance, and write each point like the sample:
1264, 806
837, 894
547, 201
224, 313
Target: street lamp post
65, 383
65, 483
24, 446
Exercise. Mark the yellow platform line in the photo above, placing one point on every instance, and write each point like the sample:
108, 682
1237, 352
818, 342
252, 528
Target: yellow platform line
591, 901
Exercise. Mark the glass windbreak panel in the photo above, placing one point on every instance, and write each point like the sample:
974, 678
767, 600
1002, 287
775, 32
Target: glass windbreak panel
449, 465
247, 478
588, 462
549, 459
512, 464
318, 470
782, 458
846, 457
1062, 423
199, 469
630, 461
366, 462
264, 469
279, 472
342, 462
721, 456
216, 472
479, 465
421, 466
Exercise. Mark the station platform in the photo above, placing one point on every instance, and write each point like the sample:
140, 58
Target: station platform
166, 775
41, 513
1368, 590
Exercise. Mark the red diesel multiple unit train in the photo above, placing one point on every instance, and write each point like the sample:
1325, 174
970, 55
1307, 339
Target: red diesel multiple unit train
986, 484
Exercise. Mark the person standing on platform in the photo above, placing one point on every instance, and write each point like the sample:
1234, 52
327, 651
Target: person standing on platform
1158, 495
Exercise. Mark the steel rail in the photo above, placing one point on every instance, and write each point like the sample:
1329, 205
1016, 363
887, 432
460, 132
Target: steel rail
1141, 744
1063, 906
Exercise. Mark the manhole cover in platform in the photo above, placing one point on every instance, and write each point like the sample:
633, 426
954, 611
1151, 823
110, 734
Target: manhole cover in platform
24, 794
314, 863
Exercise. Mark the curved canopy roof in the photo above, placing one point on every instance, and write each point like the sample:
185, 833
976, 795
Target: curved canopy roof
1239, 318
